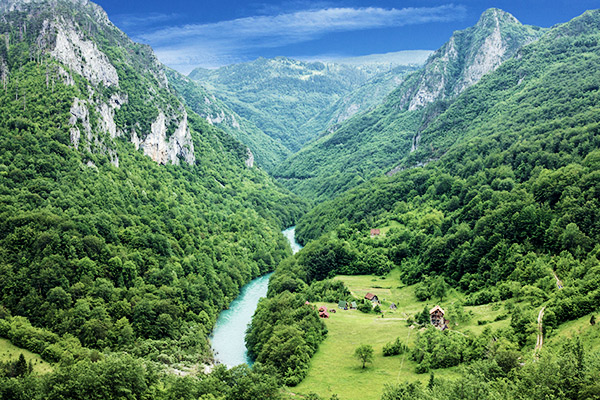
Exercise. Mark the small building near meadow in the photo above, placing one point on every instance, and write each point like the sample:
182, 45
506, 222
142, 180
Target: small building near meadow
436, 317
372, 297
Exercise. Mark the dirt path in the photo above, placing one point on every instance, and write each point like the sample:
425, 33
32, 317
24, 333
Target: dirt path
558, 282
540, 335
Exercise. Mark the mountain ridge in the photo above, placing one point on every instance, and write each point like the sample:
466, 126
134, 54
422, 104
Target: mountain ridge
377, 141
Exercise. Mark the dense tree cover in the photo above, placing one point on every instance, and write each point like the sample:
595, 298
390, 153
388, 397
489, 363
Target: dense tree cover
139, 257
376, 142
286, 331
508, 212
506, 204
267, 151
121, 376
567, 372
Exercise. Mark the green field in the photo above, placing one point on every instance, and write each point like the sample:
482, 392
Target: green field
333, 368
589, 335
10, 352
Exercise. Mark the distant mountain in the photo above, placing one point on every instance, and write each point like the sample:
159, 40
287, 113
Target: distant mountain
265, 150
128, 221
375, 142
287, 99
387, 60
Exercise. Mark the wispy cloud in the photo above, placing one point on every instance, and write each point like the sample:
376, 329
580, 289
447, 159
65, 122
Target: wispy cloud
141, 21
218, 43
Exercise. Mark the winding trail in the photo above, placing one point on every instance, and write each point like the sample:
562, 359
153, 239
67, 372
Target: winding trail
558, 282
540, 335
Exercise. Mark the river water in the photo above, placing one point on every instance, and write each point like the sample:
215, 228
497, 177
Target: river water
227, 338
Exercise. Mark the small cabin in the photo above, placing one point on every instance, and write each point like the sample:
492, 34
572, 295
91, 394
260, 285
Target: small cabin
436, 317
372, 297
375, 232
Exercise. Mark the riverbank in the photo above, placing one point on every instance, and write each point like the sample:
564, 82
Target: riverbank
228, 336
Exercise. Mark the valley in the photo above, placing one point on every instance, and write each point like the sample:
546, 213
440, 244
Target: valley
416, 224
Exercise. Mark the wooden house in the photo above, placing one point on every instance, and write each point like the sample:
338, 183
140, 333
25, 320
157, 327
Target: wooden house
436, 317
372, 297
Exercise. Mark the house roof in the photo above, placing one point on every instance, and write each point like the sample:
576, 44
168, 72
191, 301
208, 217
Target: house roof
370, 296
436, 308
375, 232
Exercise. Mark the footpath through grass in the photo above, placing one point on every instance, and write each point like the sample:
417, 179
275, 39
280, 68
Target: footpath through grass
10, 352
334, 369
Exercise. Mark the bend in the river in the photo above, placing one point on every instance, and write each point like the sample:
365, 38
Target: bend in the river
229, 333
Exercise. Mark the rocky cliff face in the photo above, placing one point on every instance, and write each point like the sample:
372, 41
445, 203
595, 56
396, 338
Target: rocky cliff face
467, 57
74, 37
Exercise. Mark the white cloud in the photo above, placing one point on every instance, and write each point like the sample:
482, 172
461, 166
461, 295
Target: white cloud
141, 21
218, 43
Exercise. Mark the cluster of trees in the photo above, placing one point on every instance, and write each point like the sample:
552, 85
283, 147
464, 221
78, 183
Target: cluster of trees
286, 331
394, 348
119, 376
17, 368
567, 372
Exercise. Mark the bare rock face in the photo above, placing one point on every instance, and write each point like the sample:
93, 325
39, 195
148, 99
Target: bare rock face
467, 57
79, 113
163, 150
82, 56
250, 159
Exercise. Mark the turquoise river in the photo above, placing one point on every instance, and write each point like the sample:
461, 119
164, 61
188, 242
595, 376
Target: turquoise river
227, 338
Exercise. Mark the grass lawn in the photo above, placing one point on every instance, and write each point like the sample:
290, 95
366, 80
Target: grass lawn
10, 352
589, 335
334, 369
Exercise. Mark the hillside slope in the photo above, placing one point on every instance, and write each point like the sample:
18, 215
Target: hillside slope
127, 220
516, 175
375, 142
265, 150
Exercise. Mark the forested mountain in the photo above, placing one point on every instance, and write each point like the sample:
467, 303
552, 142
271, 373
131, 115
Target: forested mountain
290, 100
127, 221
265, 150
514, 191
505, 211
375, 142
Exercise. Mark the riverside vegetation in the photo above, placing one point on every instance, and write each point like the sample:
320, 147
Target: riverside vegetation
128, 222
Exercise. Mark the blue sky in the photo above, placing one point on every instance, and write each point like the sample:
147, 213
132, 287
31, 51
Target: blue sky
186, 34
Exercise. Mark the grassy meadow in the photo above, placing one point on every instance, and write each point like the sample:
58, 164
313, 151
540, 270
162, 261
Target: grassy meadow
334, 369
10, 352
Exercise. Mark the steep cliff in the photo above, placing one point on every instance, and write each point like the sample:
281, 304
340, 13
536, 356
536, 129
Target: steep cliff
466, 58
119, 82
